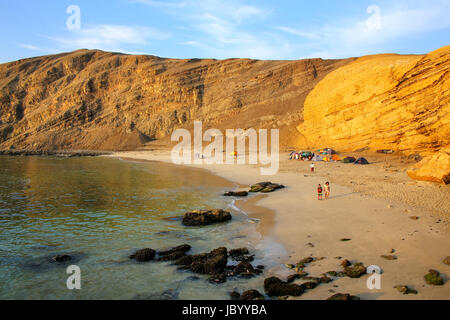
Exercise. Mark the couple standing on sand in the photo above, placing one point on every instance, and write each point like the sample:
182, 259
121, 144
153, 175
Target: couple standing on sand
327, 191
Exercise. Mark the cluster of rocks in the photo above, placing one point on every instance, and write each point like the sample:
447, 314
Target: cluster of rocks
214, 263
206, 217
265, 187
56, 153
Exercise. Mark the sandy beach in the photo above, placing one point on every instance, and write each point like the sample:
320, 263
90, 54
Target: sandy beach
371, 205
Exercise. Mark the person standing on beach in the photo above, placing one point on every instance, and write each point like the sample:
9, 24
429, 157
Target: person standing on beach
312, 167
319, 192
327, 190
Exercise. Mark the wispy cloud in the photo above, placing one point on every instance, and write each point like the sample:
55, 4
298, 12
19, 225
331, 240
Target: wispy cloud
355, 36
109, 37
221, 28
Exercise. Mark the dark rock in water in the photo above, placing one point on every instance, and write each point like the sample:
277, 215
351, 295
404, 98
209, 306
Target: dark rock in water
236, 194
251, 295
343, 297
174, 253
405, 290
183, 261
244, 269
206, 217
260, 267
218, 278
447, 260
212, 263
275, 287
433, 277
62, 258
238, 252
235, 295
345, 239
241, 255
355, 271
143, 255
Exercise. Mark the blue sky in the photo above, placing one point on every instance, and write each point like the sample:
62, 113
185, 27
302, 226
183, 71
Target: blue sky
225, 29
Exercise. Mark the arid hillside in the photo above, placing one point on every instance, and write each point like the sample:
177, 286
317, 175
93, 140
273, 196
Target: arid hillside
385, 102
94, 100
109, 101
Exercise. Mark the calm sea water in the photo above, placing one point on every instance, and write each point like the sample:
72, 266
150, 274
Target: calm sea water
101, 210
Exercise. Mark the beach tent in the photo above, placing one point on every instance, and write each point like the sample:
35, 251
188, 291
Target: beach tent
361, 161
317, 157
306, 154
326, 151
335, 157
349, 160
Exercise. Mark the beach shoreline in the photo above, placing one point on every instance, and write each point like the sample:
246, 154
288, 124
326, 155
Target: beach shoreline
307, 227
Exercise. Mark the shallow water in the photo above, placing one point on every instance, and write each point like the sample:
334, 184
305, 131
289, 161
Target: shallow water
100, 210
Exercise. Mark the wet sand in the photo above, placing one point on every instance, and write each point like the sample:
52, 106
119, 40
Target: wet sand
375, 225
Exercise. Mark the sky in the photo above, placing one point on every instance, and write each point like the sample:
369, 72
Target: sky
262, 29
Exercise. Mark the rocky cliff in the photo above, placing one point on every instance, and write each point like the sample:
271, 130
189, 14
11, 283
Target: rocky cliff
108, 101
384, 102
96, 100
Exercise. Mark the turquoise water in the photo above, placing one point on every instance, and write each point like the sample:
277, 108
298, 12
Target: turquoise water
100, 210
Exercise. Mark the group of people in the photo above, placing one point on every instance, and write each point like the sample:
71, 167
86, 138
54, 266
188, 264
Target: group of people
325, 189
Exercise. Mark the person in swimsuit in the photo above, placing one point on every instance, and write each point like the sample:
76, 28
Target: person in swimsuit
327, 190
319, 192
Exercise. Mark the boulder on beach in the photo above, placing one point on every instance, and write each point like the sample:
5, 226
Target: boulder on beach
434, 278
265, 187
355, 271
405, 289
275, 287
206, 217
143, 255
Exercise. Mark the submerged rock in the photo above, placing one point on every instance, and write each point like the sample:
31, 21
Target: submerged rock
252, 295
205, 217
174, 253
62, 258
236, 194
275, 287
235, 295
143, 255
433, 277
343, 297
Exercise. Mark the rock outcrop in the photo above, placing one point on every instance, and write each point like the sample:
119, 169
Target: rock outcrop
94, 100
205, 217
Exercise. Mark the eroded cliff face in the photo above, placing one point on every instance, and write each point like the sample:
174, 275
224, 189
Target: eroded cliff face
382, 102
108, 101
